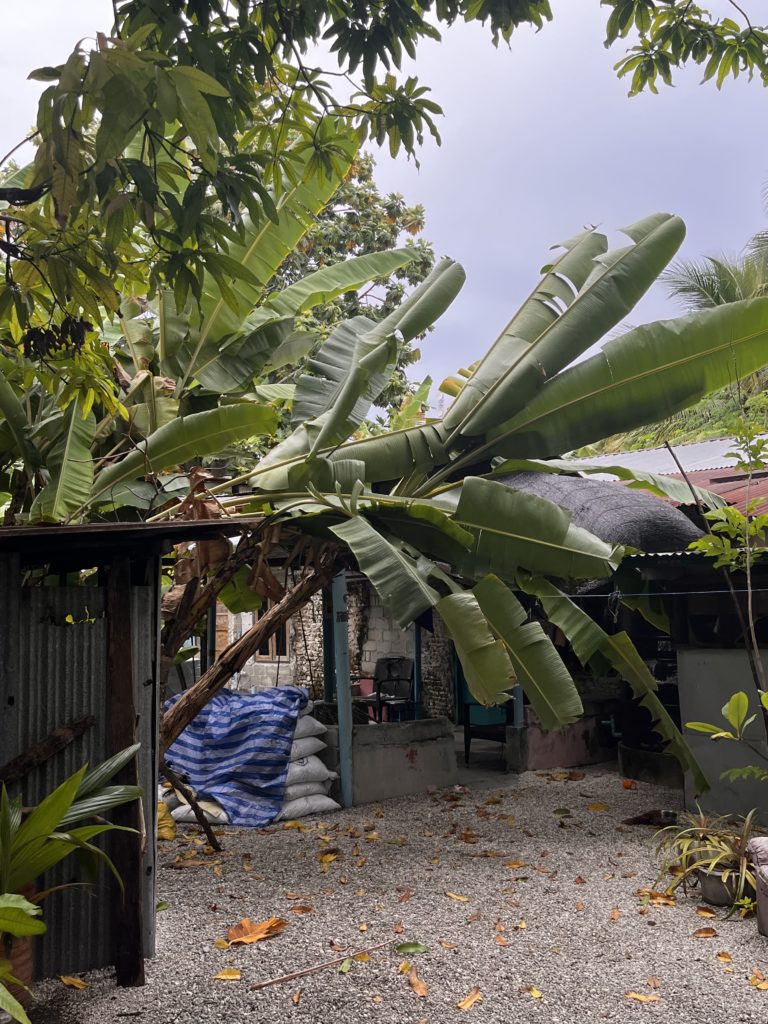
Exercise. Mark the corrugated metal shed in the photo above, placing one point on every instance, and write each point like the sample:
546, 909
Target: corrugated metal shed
699, 455
52, 671
706, 465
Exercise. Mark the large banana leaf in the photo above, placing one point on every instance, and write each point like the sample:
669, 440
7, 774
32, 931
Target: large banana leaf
514, 529
587, 639
400, 576
643, 376
16, 421
639, 479
70, 466
327, 284
258, 259
394, 455
483, 656
537, 665
540, 340
188, 437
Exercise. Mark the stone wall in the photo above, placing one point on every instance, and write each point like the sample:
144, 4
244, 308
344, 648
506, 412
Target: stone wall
306, 641
437, 671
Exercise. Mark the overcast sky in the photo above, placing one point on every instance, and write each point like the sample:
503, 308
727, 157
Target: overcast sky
538, 140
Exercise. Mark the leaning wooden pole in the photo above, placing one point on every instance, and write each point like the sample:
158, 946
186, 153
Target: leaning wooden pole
233, 658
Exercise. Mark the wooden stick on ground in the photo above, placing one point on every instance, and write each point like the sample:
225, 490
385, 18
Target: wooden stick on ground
44, 750
319, 967
191, 799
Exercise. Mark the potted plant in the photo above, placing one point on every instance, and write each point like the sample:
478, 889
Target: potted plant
713, 853
32, 842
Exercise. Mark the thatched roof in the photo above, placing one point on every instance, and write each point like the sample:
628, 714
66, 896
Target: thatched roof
611, 511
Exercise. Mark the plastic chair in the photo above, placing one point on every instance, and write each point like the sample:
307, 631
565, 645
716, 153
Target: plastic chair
392, 689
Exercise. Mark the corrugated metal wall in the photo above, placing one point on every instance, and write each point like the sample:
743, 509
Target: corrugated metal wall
53, 670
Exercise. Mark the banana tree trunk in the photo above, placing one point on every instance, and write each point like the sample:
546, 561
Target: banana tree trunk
233, 658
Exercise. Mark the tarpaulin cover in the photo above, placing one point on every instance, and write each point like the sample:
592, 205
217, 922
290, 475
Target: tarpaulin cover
237, 751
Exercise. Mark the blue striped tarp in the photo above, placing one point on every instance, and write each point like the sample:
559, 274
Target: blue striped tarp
237, 751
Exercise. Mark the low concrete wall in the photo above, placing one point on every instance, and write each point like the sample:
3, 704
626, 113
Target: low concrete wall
397, 758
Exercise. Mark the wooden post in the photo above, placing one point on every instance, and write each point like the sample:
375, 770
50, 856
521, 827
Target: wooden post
126, 917
343, 689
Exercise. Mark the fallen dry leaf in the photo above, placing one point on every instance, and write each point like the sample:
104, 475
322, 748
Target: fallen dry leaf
474, 916
228, 974
653, 982
531, 991
293, 896
362, 958
579, 905
597, 807
473, 996
327, 857
492, 800
446, 945
397, 928
705, 912
405, 895
656, 899
71, 982
457, 897
404, 967
704, 933
377, 999
615, 914
501, 940
514, 864
725, 958
578, 880
296, 997
629, 784
643, 997
521, 925
362, 927
300, 909
221, 944
249, 931
418, 986
758, 980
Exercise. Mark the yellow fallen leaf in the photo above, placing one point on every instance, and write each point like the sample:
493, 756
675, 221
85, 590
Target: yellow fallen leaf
508, 818
705, 912
228, 974
372, 837
166, 826
643, 997
249, 931
418, 986
532, 991
446, 945
597, 807
514, 864
473, 996
704, 933
362, 927
725, 958
217, 870
71, 982
457, 897
295, 824
492, 800
362, 958
221, 944
327, 857
296, 997
404, 967
521, 925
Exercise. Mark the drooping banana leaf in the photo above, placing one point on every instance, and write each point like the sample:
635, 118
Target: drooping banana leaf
644, 376
514, 529
537, 665
597, 292
400, 576
639, 479
588, 639
484, 658
70, 465
188, 437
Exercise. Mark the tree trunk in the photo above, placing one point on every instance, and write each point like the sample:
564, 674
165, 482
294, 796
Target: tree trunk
234, 657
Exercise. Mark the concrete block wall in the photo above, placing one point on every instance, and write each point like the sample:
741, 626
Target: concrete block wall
437, 671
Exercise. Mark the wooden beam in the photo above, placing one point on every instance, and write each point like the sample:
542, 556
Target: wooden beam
126, 917
43, 751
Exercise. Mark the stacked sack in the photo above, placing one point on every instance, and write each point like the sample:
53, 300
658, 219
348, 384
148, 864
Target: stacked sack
182, 813
309, 781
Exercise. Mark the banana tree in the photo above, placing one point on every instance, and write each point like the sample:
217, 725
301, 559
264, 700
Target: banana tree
420, 510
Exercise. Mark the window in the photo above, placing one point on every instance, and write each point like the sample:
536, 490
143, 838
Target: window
277, 646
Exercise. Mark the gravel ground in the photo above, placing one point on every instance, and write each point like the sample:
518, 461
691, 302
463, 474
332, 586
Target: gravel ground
561, 937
